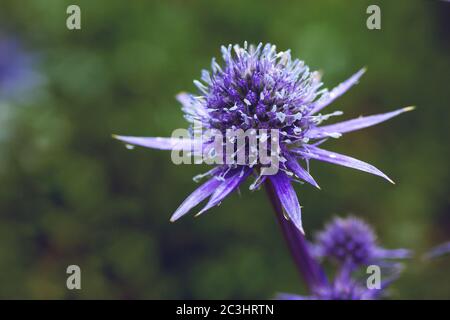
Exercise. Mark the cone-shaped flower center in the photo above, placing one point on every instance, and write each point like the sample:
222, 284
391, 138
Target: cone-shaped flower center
257, 88
348, 240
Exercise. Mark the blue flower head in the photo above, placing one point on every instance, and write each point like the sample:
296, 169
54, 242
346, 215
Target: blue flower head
351, 240
17, 74
258, 87
352, 243
338, 290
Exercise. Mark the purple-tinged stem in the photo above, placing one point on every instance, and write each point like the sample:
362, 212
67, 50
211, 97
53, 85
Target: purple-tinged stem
308, 267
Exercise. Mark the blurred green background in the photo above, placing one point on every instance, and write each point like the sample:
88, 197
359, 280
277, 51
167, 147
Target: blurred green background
71, 195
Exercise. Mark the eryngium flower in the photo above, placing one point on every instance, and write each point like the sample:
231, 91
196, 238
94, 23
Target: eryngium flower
353, 242
16, 69
338, 290
260, 88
